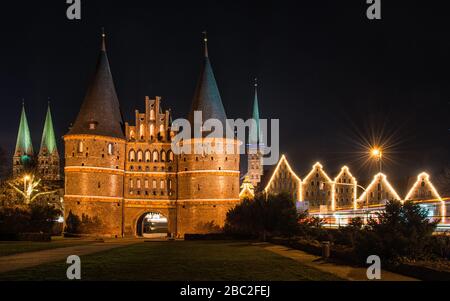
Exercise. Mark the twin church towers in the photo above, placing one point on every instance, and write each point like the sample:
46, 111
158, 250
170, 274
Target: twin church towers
46, 162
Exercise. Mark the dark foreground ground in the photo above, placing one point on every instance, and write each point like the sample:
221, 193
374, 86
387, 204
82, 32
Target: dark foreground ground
178, 260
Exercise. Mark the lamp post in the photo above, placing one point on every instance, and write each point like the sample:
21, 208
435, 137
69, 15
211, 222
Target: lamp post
26, 191
377, 153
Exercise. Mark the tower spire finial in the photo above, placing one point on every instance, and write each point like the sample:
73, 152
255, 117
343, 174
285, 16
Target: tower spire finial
103, 39
205, 39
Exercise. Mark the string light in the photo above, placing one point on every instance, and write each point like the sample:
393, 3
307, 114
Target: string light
424, 177
320, 167
299, 182
380, 177
344, 169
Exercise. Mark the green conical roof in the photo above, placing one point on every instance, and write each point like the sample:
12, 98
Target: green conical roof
207, 97
255, 133
48, 140
24, 145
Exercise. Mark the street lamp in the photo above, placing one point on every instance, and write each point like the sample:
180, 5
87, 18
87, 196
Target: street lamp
25, 179
377, 153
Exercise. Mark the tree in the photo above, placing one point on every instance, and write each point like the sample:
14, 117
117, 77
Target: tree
401, 230
275, 214
33, 218
29, 188
43, 217
3, 166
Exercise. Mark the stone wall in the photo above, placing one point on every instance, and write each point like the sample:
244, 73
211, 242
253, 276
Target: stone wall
94, 180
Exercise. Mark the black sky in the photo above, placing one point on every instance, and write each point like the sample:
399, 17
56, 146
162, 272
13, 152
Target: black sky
328, 73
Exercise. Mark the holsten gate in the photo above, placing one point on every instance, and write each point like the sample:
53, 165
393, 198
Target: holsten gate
123, 173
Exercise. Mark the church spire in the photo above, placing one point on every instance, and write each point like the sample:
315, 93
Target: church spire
100, 110
205, 39
24, 146
207, 97
103, 39
255, 133
48, 141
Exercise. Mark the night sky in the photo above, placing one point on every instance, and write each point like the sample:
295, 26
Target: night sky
333, 78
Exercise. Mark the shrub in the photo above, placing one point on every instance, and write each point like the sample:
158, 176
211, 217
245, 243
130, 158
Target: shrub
43, 217
440, 246
275, 215
73, 223
83, 225
397, 232
34, 218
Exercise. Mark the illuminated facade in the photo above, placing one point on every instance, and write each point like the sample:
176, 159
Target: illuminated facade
317, 189
338, 199
379, 192
284, 180
121, 173
344, 191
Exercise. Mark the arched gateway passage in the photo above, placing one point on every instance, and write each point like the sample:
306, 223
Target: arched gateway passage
152, 225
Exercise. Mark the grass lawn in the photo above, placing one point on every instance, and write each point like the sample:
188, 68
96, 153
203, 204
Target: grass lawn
179, 260
15, 247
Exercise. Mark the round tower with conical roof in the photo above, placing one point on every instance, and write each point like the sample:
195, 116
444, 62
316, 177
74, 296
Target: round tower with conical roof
208, 183
95, 156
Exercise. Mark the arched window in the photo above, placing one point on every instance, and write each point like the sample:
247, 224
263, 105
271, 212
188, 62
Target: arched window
152, 129
154, 184
110, 148
132, 156
170, 156
169, 183
131, 183
146, 183
147, 156
138, 183
139, 155
131, 134
152, 114
141, 131
161, 129
155, 156
163, 156
161, 184
80, 146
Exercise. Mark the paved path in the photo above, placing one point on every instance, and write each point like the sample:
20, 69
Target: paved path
31, 259
342, 271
